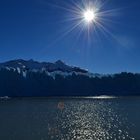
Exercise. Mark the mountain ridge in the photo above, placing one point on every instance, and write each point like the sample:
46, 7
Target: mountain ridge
35, 65
32, 78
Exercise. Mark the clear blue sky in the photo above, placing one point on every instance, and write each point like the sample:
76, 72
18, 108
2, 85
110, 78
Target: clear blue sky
36, 29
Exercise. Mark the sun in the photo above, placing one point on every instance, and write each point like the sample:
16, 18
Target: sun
87, 18
89, 15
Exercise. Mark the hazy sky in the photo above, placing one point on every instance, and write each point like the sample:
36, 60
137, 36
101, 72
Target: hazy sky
43, 30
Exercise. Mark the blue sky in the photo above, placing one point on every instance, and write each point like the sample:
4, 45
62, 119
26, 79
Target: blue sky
36, 29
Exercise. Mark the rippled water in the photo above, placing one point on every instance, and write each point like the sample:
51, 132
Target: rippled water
70, 119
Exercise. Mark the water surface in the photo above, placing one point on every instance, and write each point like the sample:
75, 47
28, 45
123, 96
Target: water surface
70, 118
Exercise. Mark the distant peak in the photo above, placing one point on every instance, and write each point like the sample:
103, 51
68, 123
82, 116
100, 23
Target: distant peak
31, 60
59, 62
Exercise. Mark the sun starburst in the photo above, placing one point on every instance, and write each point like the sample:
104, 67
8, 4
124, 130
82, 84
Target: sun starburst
89, 16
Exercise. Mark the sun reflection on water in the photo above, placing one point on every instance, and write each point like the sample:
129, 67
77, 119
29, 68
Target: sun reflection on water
88, 120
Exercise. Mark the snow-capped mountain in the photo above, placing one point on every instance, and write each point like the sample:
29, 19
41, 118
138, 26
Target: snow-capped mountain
31, 65
31, 78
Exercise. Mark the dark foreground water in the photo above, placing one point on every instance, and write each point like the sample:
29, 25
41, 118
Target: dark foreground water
70, 119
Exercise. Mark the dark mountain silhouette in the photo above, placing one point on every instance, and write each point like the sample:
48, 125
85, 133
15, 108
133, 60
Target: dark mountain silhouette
32, 78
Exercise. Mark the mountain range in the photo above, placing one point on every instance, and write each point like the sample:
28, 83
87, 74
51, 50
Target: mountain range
25, 65
32, 78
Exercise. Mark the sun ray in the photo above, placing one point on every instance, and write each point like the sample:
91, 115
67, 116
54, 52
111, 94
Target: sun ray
66, 33
89, 16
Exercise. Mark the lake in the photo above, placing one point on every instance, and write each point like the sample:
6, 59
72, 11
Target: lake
84, 118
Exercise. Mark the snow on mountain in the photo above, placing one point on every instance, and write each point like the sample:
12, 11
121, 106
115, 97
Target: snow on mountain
58, 67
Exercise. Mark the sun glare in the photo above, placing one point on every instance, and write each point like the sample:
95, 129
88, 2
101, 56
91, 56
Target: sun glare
89, 15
